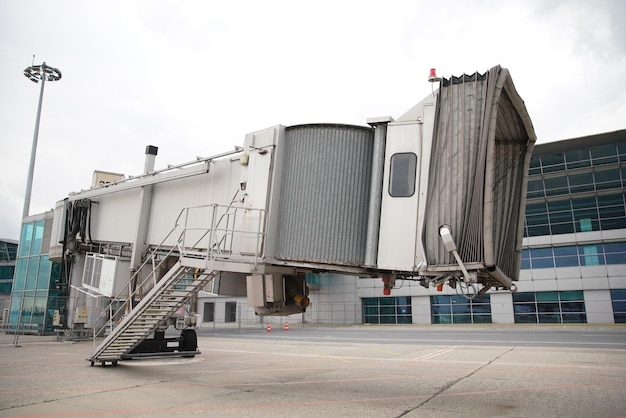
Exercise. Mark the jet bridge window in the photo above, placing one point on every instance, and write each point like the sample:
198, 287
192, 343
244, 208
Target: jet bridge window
402, 177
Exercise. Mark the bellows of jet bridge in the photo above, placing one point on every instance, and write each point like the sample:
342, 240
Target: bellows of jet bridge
435, 195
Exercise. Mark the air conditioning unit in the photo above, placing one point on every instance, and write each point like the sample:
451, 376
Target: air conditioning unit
105, 274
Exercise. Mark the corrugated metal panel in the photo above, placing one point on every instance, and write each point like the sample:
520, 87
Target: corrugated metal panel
477, 184
324, 194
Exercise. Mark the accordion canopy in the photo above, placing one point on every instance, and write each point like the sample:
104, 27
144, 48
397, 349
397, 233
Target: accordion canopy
480, 157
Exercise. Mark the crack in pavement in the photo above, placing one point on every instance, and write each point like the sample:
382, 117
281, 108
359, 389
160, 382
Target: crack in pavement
454, 382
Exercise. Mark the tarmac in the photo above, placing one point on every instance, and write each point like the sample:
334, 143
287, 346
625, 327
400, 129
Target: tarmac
262, 375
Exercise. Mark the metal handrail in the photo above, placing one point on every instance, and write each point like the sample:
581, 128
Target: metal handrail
217, 249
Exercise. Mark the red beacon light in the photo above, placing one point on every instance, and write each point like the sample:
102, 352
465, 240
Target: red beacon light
432, 77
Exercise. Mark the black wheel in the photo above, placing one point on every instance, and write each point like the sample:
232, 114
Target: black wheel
104, 364
114, 363
92, 363
189, 340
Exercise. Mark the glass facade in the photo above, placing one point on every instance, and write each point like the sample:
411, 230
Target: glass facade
578, 190
35, 296
549, 307
456, 309
593, 254
389, 310
618, 300
8, 255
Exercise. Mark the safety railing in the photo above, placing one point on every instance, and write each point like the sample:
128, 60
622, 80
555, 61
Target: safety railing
220, 232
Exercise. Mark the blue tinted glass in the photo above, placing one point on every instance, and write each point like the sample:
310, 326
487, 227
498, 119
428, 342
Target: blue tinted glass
615, 247
566, 261
552, 162
568, 250
542, 263
541, 252
537, 208
584, 203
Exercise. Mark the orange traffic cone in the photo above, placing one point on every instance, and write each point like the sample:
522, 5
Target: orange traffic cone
269, 327
286, 326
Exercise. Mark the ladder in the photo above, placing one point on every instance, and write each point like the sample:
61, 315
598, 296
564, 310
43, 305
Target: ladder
203, 250
170, 293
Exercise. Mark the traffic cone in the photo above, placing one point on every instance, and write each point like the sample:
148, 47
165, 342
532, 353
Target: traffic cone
269, 327
286, 326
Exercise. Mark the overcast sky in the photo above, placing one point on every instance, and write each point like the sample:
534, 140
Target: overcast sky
193, 77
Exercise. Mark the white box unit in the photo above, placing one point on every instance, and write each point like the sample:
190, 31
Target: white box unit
105, 274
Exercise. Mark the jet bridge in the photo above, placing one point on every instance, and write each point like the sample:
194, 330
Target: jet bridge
435, 195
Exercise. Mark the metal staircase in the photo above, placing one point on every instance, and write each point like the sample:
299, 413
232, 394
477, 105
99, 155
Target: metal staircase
171, 293
202, 252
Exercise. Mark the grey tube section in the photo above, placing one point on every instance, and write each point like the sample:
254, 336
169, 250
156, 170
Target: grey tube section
504, 280
376, 187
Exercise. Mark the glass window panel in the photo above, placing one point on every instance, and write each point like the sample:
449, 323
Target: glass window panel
620, 318
538, 208
482, 319
574, 318
556, 186
549, 318
545, 307
552, 162
523, 297
440, 299
542, 263
611, 212
31, 273
566, 261
571, 295
610, 200
577, 158
618, 294
591, 214
525, 318
604, 154
534, 220
619, 306
584, 203
621, 148
442, 319
458, 308
540, 252
43, 277
582, 182
611, 176
19, 280
462, 319
567, 250
519, 308
615, 258
525, 264
586, 225
562, 228
26, 239
547, 296
37, 238
615, 223
573, 306
563, 205
615, 247
402, 178
559, 217
481, 308
537, 231
535, 188
591, 255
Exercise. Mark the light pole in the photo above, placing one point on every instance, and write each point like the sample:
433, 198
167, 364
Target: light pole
37, 73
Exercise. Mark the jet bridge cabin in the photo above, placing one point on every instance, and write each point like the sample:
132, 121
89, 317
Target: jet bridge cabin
434, 195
